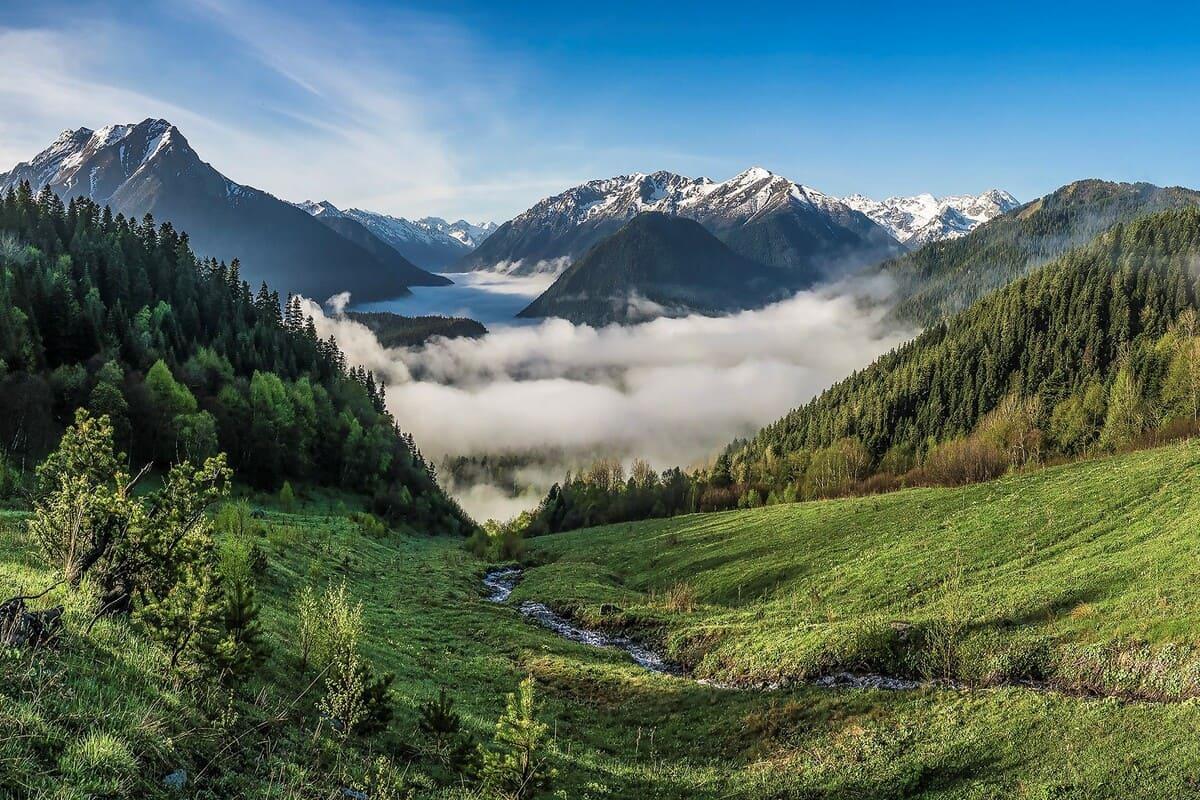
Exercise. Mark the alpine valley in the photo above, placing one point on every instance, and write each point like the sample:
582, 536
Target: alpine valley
745, 491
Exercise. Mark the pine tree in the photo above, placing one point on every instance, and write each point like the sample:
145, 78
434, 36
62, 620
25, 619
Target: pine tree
516, 766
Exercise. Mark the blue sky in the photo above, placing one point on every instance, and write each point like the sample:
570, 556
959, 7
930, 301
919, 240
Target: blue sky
478, 109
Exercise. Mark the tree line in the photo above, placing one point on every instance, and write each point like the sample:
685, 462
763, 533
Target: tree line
121, 318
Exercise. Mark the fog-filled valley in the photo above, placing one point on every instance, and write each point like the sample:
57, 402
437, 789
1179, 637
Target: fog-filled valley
409, 400
672, 391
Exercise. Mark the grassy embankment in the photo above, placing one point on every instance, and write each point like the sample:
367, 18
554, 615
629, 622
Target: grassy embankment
1038, 570
1083, 576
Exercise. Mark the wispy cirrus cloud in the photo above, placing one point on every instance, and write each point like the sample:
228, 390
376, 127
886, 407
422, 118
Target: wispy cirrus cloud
393, 110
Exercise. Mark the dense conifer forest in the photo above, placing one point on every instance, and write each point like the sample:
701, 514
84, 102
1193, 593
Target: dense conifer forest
946, 276
121, 318
1095, 352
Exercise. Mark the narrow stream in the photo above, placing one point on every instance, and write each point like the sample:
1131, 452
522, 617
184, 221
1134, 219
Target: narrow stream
499, 584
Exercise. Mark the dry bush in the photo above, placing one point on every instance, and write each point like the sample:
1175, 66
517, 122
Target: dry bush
679, 597
959, 462
879, 483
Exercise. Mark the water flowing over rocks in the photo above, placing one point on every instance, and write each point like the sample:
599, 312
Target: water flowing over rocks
499, 584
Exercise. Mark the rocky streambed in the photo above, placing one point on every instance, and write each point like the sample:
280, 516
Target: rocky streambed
499, 584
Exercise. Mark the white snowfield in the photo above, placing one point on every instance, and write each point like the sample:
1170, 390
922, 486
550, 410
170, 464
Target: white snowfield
923, 218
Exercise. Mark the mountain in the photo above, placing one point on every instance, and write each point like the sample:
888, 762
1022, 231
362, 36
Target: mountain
923, 218
759, 215
946, 276
349, 228
1056, 340
430, 242
149, 168
657, 265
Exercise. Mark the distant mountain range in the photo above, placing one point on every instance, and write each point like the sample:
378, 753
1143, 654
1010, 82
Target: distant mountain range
430, 242
757, 214
658, 265
921, 219
149, 167
942, 278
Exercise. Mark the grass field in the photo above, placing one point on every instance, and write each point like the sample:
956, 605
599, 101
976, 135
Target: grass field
1002, 579
1084, 576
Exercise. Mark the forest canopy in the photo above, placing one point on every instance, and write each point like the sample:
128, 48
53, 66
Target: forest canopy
121, 318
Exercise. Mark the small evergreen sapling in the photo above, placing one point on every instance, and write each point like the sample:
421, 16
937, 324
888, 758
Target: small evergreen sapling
446, 741
516, 767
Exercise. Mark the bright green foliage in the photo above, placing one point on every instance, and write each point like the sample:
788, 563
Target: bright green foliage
355, 700
329, 626
1127, 415
343, 702
309, 624
151, 555
287, 497
84, 511
120, 317
516, 766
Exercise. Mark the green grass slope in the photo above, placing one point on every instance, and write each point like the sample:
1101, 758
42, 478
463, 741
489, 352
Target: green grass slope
1081, 576
1088, 554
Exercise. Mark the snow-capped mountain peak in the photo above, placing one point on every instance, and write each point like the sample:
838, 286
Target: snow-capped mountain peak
115, 154
322, 208
924, 218
806, 230
429, 242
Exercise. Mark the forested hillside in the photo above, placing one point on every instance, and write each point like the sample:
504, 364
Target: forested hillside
1097, 351
121, 318
945, 277
1084, 352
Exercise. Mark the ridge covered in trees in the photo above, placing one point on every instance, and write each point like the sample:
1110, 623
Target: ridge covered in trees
946, 276
1094, 352
121, 318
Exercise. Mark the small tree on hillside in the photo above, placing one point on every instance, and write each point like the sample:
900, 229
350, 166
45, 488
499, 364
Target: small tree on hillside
516, 767
1127, 415
152, 555
84, 506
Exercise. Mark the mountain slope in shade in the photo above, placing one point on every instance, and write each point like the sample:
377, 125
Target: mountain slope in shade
657, 265
150, 168
923, 218
760, 215
429, 242
946, 276
358, 233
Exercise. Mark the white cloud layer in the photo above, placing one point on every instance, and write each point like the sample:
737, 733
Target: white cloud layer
672, 390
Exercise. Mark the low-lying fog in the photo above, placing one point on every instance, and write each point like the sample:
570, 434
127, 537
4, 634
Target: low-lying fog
672, 391
492, 298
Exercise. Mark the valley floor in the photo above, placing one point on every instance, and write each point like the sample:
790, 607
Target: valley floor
1100, 558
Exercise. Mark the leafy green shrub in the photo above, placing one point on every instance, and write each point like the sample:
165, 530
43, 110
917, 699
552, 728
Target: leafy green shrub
370, 525
287, 497
497, 542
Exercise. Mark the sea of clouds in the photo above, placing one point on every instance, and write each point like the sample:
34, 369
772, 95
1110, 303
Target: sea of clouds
672, 391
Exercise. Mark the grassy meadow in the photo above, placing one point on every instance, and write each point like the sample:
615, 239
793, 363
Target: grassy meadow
1080, 577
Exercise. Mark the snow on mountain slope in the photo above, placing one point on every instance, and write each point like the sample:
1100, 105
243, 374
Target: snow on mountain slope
150, 168
429, 242
807, 229
923, 218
